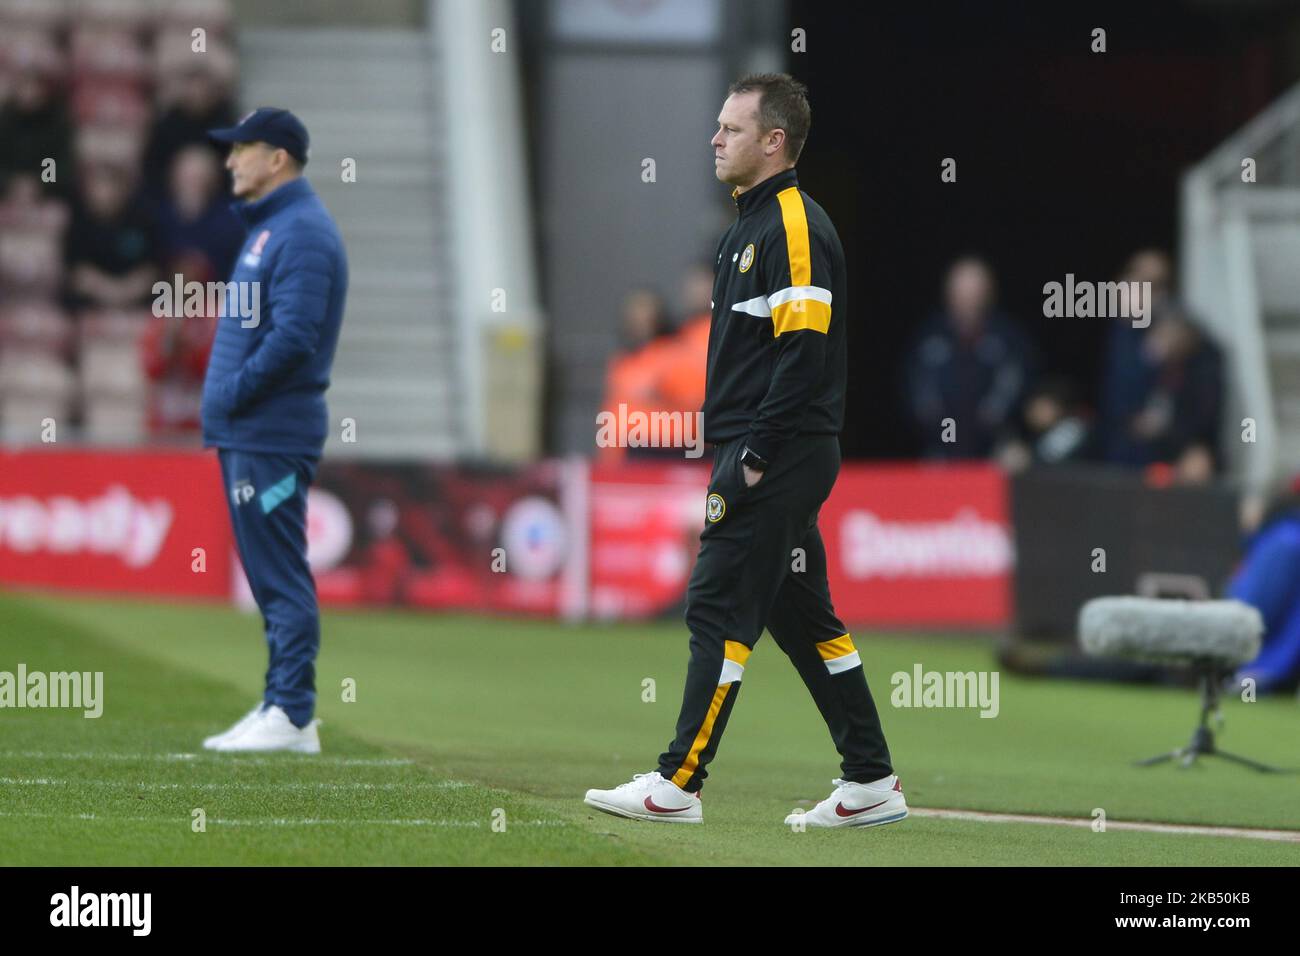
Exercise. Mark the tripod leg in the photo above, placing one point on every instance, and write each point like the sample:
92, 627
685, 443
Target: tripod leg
1247, 762
1159, 758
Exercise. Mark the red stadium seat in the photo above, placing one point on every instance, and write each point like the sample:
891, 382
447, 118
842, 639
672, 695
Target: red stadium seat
111, 145
46, 15
36, 324
124, 15
100, 53
212, 15
110, 103
31, 261
35, 373
112, 326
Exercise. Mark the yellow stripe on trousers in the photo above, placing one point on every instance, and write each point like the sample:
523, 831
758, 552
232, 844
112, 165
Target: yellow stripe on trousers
732, 651
692, 760
842, 646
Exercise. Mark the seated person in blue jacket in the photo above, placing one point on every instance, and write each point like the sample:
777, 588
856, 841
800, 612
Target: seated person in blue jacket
1269, 579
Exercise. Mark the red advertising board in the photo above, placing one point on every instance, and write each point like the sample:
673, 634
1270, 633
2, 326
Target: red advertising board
444, 537
919, 545
909, 545
124, 522
645, 521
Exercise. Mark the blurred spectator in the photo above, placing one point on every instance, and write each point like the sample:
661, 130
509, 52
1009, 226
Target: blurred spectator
201, 104
1128, 376
34, 127
1054, 429
970, 363
111, 250
199, 237
88, 85
1179, 422
683, 381
636, 372
198, 232
175, 355
387, 563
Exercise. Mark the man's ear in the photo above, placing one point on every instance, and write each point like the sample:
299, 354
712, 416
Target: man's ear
775, 141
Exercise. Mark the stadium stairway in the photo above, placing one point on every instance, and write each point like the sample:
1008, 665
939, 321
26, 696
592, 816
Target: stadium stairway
367, 94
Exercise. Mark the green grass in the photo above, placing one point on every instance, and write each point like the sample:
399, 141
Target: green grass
457, 717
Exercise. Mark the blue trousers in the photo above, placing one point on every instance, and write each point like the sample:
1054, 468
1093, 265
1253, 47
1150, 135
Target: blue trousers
1269, 579
267, 498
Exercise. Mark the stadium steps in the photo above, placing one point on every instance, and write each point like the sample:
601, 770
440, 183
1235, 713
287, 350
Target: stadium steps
1274, 247
368, 94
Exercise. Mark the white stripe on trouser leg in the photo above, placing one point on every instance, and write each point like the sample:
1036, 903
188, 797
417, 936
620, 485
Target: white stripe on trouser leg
731, 672
840, 664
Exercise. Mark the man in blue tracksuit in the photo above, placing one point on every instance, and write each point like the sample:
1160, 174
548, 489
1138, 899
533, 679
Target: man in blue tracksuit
264, 408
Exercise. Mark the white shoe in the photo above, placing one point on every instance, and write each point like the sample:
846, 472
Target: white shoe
210, 743
648, 796
857, 805
273, 730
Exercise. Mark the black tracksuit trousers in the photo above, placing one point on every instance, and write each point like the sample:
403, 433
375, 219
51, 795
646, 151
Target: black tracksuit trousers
748, 576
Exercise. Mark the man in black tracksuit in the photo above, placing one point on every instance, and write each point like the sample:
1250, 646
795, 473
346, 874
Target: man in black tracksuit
773, 408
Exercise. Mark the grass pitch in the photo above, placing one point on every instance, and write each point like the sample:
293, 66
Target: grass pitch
462, 722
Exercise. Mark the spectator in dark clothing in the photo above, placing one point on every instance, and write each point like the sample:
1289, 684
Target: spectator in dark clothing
111, 249
202, 104
199, 237
1179, 423
1053, 429
199, 233
970, 364
1128, 374
34, 127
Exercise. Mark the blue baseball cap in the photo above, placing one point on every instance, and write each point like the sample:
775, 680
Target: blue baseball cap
275, 127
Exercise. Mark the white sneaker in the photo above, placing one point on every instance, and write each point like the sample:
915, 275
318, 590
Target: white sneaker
210, 743
857, 805
648, 796
273, 730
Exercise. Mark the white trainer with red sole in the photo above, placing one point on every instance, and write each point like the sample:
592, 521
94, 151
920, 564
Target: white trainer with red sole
648, 796
857, 805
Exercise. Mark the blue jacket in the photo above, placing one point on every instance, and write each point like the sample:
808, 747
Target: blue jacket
266, 379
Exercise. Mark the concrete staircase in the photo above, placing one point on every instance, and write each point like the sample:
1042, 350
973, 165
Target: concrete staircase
368, 94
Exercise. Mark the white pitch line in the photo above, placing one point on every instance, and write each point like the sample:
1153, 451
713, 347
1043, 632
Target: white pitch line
287, 822
381, 823
235, 785
1284, 836
214, 757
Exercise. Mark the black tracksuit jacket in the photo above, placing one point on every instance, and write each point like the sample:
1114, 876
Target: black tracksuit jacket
777, 344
